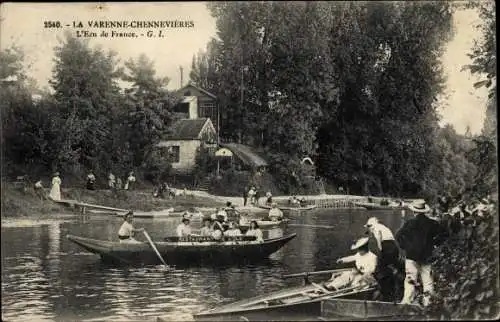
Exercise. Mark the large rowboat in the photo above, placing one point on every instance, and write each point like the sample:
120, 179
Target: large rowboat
308, 207
184, 250
292, 304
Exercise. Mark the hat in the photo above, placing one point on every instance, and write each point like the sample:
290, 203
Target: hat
372, 221
419, 206
360, 243
56, 173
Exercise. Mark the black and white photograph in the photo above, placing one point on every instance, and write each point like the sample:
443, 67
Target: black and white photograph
249, 161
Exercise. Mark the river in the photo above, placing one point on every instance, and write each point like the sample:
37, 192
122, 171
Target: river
46, 277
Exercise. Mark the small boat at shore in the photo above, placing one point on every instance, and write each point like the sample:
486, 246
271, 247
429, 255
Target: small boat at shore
308, 207
341, 309
184, 250
375, 206
167, 213
291, 304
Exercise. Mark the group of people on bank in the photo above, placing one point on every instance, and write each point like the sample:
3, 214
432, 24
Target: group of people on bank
402, 259
113, 182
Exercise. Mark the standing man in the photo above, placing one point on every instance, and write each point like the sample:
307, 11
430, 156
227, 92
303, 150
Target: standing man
39, 190
90, 180
417, 238
389, 267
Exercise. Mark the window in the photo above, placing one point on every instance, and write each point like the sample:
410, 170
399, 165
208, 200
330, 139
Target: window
175, 153
182, 108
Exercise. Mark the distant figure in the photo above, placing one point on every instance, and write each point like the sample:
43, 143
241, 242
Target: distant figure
257, 196
218, 231
90, 181
294, 201
184, 228
55, 192
126, 232
111, 181
269, 199
251, 195
39, 190
341, 190
129, 184
207, 229
275, 214
119, 183
243, 219
303, 202
254, 230
245, 194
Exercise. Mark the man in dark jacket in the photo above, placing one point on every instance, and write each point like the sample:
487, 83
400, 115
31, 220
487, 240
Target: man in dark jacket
417, 239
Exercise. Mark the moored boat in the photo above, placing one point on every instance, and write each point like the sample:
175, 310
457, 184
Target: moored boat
291, 304
308, 207
340, 309
167, 213
263, 224
184, 250
375, 206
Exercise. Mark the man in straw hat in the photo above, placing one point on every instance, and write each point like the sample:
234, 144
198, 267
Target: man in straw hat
389, 267
417, 238
364, 266
127, 230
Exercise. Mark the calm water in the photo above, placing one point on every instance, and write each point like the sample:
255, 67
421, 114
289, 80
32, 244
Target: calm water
46, 277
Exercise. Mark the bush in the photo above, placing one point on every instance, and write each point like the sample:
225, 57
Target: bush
466, 273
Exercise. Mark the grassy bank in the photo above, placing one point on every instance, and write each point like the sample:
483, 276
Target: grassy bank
16, 202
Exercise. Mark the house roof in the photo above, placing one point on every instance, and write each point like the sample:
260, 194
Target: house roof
187, 129
246, 154
199, 89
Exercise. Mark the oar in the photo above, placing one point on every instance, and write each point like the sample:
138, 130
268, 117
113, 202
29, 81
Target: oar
317, 272
154, 247
312, 226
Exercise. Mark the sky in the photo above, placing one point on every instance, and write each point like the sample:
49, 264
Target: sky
23, 24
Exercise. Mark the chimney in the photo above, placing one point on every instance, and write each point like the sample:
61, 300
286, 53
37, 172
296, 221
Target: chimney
180, 67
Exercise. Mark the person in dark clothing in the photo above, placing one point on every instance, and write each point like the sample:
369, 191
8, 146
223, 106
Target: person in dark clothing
417, 239
245, 192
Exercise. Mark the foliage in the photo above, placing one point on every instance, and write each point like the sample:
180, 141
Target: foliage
466, 270
157, 167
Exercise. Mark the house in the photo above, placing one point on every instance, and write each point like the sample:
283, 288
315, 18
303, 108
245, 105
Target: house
197, 103
186, 136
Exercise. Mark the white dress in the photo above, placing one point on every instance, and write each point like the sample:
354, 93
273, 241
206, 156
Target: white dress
55, 192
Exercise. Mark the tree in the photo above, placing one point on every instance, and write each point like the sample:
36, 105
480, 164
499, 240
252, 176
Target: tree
149, 107
86, 93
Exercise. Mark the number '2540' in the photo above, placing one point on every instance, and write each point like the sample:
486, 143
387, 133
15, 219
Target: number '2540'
52, 24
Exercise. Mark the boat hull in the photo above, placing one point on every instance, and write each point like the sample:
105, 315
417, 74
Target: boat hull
182, 252
374, 206
298, 308
310, 207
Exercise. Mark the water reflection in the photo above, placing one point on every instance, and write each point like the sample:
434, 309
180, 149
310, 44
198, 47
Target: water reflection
45, 277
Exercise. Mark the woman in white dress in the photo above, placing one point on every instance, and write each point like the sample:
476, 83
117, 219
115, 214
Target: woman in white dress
254, 230
55, 192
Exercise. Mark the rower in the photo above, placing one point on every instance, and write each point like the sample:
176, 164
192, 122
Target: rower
365, 263
126, 232
269, 198
275, 214
233, 230
184, 228
254, 230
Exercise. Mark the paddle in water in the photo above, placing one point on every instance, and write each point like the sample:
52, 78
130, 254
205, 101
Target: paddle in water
154, 247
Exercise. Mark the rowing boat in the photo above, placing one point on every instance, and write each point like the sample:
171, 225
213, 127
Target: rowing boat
308, 207
264, 223
374, 206
167, 213
184, 250
294, 303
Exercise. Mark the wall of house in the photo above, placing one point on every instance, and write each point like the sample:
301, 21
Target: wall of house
187, 153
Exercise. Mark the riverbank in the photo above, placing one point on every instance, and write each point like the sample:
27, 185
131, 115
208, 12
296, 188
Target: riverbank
17, 202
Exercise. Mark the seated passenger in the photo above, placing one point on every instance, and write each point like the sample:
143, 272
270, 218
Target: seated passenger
254, 230
184, 229
365, 263
275, 214
207, 228
126, 232
233, 230
217, 231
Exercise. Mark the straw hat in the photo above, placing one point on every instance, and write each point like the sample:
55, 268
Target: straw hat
371, 222
419, 206
360, 243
